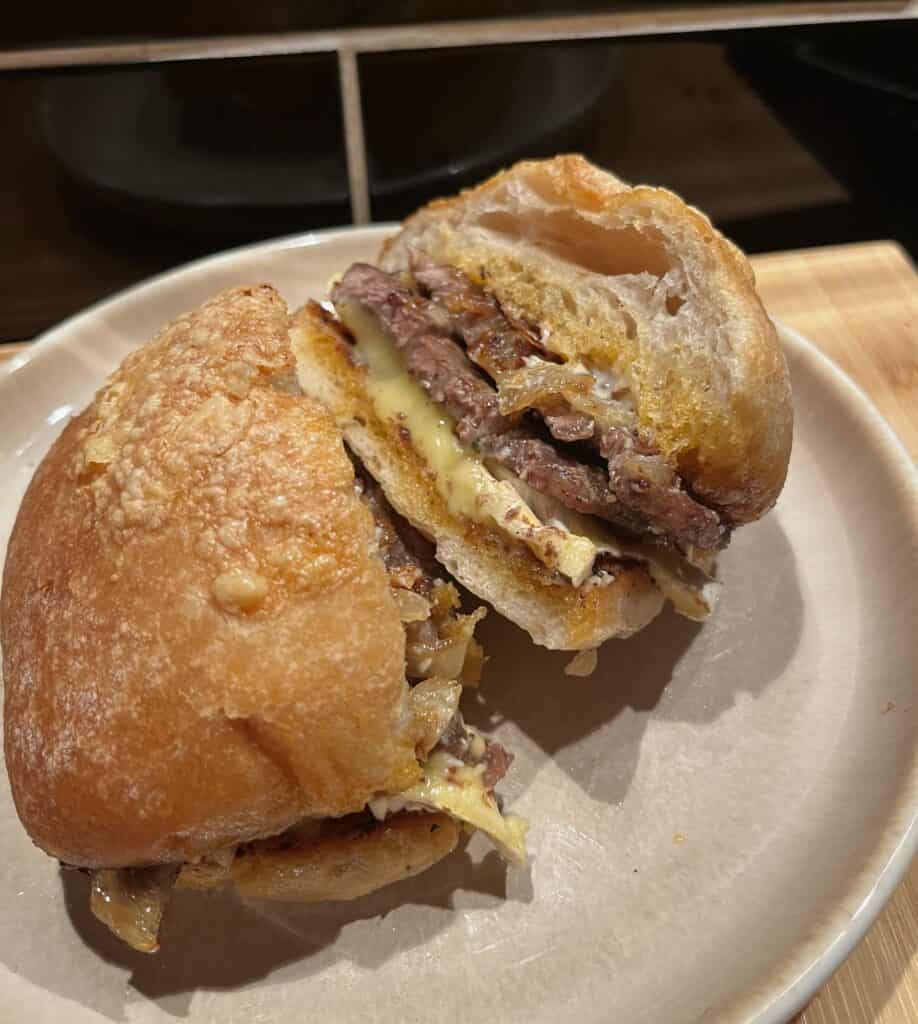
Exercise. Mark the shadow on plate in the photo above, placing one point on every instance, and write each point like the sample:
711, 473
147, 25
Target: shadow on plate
674, 670
218, 941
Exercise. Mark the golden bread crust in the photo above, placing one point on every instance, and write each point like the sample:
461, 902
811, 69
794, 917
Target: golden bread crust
342, 866
200, 645
636, 282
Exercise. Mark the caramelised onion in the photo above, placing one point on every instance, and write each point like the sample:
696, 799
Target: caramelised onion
429, 653
412, 607
421, 639
449, 657
459, 653
548, 386
582, 664
433, 704
443, 644
131, 901
652, 470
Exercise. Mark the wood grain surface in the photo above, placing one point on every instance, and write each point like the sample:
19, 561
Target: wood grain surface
11, 349
859, 303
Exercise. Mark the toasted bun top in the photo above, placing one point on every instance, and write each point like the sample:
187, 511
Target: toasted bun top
200, 646
634, 281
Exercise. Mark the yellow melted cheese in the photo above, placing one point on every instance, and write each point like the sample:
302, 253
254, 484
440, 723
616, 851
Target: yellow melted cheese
458, 791
560, 538
693, 592
462, 479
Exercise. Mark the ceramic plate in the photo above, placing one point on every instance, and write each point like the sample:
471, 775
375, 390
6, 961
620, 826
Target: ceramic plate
717, 814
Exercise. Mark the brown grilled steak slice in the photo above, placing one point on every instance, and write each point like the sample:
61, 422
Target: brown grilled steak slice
646, 484
421, 332
492, 339
458, 742
639, 492
407, 555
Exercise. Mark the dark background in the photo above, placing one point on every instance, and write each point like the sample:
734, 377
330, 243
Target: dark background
44, 22
787, 138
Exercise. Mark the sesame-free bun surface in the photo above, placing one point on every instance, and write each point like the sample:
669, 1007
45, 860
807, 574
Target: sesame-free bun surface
634, 281
199, 642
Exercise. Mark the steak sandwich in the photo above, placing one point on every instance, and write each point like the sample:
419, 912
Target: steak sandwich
227, 660
569, 385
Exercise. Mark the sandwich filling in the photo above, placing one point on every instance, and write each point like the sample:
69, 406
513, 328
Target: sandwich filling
456, 341
459, 769
546, 451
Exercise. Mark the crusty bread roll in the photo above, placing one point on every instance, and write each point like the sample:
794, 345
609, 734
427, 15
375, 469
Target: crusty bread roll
200, 643
551, 322
345, 864
634, 279
554, 613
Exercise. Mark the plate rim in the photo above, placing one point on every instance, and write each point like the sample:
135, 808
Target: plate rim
896, 846
896, 856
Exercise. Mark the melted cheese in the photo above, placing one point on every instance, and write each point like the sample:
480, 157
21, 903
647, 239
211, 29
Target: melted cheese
449, 786
692, 592
461, 477
560, 538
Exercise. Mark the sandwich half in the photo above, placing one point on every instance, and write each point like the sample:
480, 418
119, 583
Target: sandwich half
569, 385
227, 660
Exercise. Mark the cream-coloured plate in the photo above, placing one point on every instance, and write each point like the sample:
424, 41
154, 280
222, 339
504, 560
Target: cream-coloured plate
717, 814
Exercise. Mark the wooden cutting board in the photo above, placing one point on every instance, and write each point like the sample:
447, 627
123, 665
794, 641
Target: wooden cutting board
859, 303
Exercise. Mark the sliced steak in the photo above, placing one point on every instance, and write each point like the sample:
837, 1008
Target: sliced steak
646, 484
638, 492
473, 749
455, 738
570, 426
407, 555
400, 309
421, 332
444, 371
497, 761
643, 482
576, 485
492, 339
